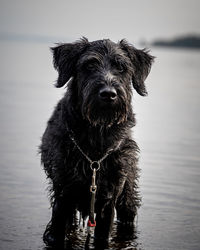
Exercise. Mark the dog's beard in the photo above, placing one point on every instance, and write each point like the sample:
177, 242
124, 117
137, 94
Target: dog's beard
105, 115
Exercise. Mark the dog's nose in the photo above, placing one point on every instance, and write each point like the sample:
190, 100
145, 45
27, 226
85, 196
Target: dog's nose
108, 94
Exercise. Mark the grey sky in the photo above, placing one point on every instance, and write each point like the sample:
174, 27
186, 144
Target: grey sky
131, 19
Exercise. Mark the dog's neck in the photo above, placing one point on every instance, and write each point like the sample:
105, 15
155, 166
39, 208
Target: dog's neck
96, 139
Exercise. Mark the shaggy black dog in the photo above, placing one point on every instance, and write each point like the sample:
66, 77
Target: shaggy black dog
87, 150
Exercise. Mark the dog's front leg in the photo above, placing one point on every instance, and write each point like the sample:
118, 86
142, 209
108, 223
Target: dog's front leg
104, 221
54, 234
128, 202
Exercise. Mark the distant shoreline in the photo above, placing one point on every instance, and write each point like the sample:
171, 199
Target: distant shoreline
190, 41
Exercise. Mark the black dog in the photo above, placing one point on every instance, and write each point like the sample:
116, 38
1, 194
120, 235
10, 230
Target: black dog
87, 150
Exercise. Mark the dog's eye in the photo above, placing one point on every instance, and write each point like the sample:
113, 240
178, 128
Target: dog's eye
91, 64
120, 66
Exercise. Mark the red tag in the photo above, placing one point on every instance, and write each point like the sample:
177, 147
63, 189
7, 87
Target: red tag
90, 224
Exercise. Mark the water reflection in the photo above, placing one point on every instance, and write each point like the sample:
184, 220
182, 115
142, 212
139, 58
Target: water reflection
122, 237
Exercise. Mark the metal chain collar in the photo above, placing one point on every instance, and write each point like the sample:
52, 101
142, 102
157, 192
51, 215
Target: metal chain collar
98, 162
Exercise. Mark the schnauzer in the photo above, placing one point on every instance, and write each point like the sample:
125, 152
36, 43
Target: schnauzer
87, 151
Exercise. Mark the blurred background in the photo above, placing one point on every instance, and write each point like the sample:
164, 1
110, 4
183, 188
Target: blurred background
168, 119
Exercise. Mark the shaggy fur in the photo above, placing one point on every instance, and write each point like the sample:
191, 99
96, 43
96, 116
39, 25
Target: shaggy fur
97, 108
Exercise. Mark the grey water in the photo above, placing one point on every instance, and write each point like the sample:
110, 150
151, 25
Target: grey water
167, 131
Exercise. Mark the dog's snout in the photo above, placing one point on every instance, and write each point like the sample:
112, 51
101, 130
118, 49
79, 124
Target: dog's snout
108, 94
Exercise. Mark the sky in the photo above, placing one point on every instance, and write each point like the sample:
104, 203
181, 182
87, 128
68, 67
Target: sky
135, 20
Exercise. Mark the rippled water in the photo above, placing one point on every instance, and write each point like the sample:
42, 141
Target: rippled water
167, 133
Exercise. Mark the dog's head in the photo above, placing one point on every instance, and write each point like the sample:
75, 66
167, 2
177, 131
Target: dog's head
102, 73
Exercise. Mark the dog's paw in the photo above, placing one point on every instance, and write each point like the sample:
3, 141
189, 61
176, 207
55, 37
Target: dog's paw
52, 241
100, 243
126, 217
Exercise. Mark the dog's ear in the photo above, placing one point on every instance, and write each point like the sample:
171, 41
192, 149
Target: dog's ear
141, 62
65, 57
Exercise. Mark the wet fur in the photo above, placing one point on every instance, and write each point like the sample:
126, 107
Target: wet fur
90, 66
